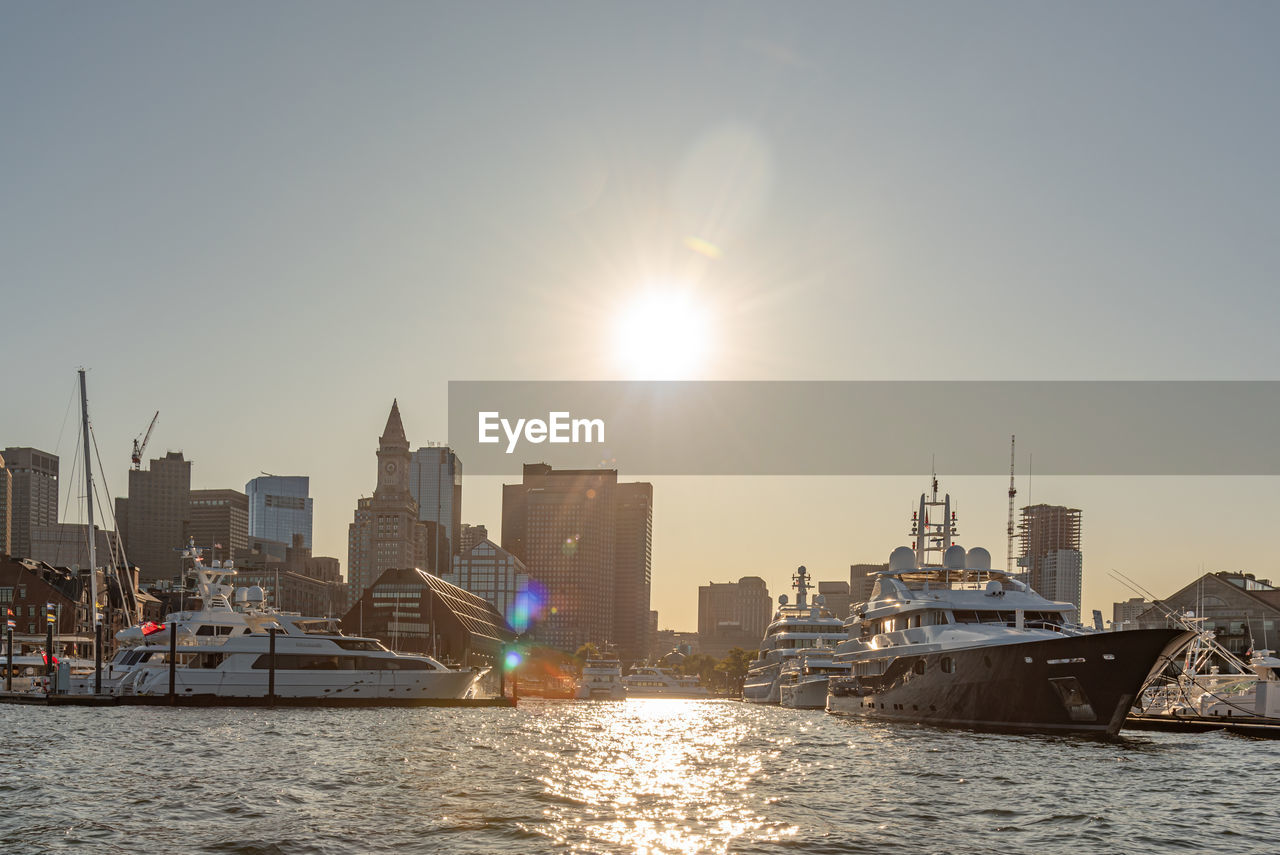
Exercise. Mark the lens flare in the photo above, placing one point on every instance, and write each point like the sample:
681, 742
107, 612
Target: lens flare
527, 608
512, 660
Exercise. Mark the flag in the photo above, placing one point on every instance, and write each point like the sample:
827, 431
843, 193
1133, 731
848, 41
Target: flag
151, 628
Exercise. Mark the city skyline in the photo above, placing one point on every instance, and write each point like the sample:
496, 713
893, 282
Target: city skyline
738, 192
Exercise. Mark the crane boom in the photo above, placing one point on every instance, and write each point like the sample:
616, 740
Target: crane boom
139, 447
1013, 491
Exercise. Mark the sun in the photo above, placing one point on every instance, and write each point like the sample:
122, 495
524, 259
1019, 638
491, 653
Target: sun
663, 333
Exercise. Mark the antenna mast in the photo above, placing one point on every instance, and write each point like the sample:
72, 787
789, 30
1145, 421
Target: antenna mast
1013, 491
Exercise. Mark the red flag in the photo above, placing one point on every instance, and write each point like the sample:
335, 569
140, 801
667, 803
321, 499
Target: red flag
151, 628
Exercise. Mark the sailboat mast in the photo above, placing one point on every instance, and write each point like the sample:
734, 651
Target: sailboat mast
93, 539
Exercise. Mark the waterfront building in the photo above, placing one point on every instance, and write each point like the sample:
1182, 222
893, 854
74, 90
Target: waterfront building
1128, 612
413, 611
491, 572
280, 507
837, 598
666, 641
27, 586
1050, 552
861, 579
732, 614
67, 545
435, 481
1242, 610
219, 522
386, 532
469, 535
153, 518
633, 569
33, 495
295, 582
6, 508
561, 524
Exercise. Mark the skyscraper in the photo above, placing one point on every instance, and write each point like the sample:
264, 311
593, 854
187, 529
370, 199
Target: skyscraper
1050, 554
153, 519
386, 532
219, 521
435, 480
732, 614
561, 524
33, 495
470, 535
633, 565
280, 507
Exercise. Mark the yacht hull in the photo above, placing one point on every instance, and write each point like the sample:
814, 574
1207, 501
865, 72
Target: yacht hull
804, 695
761, 685
1082, 684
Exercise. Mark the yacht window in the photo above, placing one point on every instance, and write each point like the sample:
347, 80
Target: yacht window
948, 665
919, 666
358, 644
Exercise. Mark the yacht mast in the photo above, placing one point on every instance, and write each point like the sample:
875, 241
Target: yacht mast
93, 540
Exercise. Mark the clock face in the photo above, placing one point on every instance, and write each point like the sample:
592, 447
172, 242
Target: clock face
390, 468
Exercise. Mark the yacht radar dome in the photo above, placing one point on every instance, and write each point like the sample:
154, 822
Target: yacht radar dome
255, 594
902, 558
953, 558
782, 599
977, 559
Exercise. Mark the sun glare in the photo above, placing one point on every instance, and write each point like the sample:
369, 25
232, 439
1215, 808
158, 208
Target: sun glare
663, 334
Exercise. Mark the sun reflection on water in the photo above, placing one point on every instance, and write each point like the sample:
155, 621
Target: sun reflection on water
653, 776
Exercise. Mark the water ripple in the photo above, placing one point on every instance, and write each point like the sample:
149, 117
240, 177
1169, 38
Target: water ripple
649, 777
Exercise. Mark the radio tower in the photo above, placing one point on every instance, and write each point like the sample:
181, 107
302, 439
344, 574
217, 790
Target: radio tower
1013, 491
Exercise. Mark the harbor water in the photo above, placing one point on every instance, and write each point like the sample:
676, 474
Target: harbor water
640, 776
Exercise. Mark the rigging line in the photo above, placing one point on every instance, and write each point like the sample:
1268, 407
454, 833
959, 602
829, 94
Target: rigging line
75, 387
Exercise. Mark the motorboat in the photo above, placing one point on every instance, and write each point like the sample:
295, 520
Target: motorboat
601, 680
795, 628
650, 681
803, 681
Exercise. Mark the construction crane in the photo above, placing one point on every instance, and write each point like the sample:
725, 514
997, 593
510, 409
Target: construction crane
139, 447
1013, 491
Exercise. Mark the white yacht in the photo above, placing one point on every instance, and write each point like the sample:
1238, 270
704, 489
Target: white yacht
649, 681
959, 644
1201, 690
224, 651
803, 682
601, 680
795, 629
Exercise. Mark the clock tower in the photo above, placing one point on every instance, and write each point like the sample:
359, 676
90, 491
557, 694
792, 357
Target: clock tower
385, 533
393, 457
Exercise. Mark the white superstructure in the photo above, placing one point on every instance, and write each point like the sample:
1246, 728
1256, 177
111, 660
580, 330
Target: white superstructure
653, 682
601, 680
795, 629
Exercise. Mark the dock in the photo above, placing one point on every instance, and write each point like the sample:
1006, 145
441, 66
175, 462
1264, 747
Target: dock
1263, 728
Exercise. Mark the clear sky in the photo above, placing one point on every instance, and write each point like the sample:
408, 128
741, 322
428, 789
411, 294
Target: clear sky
267, 220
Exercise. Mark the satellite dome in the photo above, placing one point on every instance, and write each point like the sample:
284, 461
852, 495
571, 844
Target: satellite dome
978, 559
800, 571
902, 558
782, 599
255, 594
953, 558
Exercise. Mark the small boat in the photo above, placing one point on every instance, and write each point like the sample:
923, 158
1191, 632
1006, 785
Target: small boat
803, 682
601, 680
651, 681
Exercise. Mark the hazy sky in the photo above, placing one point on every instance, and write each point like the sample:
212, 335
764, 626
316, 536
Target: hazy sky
267, 220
